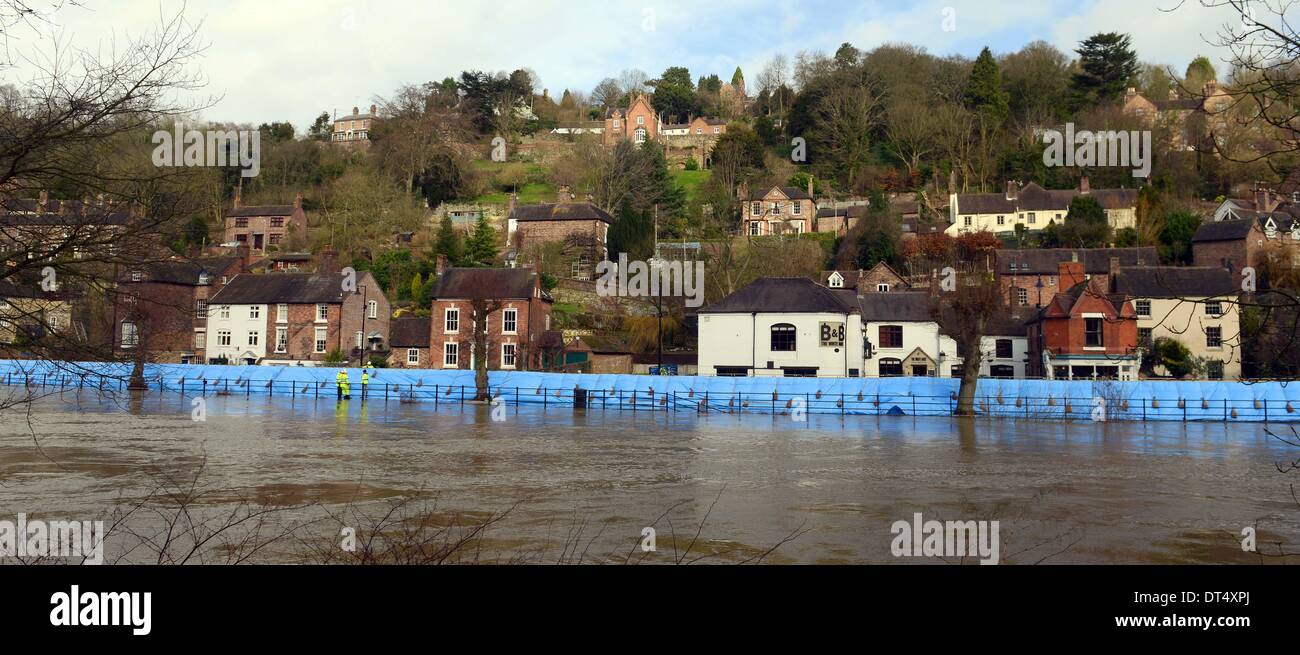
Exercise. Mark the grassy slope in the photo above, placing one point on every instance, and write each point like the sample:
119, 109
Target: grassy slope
540, 192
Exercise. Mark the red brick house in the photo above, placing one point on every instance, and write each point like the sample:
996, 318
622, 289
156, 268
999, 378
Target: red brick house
1030, 278
298, 318
266, 228
1253, 242
880, 279
163, 307
1084, 332
515, 330
409, 340
638, 123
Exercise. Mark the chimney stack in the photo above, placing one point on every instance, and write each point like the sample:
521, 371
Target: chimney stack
514, 202
565, 194
810, 186
442, 265
239, 194
374, 110
329, 262
1264, 200
1114, 270
45, 201
1085, 187
1013, 190
356, 111
297, 201
1071, 274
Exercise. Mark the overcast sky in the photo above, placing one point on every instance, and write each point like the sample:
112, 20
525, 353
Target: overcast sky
292, 59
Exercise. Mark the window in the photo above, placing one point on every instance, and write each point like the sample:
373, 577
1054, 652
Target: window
137, 276
322, 313
508, 355
1022, 297
223, 338
784, 338
717, 130
282, 340
732, 372
836, 281
699, 130
254, 337
755, 229
254, 312
1144, 308
322, 337
1092, 335
204, 279
413, 356
756, 208
224, 312
1005, 349
1002, 220
450, 355
372, 309
1214, 370
1145, 336
200, 340
640, 120
641, 135
1214, 308
891, 336
130, 335
797, 209
883, 287
201, 308
241, 222
776, 208
281, 313
275, 239
891, 368
277, 222
970, 220
1213, 337
510, 321
1033, 219
451, 322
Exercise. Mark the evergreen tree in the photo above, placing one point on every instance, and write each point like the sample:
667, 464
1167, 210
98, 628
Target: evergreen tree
632, 233
448, 242
481, 246
1108, 65
417, 286
984, 92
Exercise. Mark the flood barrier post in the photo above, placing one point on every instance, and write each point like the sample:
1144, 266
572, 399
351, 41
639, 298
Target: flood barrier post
1266, 411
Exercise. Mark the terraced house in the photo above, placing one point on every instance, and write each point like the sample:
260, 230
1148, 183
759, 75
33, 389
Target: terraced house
1035, 208
265, 229
1197, 307
518, 318
298, 319
162, 307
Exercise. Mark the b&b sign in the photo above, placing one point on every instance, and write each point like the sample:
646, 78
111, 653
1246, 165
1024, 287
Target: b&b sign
833, 335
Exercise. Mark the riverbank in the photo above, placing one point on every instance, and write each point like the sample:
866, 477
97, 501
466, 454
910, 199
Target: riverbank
1231, 402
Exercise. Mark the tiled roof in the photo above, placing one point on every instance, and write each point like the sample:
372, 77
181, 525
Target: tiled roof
906, 307
486, 284
1035, 198
1175, 282
782, 295
294, 289
1223, 231
789, 191
565, 211
262, 210
1095, 260
410, 332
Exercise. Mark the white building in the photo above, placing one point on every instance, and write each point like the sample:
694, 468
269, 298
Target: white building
1034, 208
237, 333
1196, 306
902, 338
782, 327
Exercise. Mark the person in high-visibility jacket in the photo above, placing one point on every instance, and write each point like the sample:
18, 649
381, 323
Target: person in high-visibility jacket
345, 387
365, 382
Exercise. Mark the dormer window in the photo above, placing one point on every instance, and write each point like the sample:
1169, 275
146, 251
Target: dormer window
204, 279
836, 281
137, 276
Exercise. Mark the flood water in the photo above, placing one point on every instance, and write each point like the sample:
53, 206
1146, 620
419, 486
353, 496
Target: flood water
584, 485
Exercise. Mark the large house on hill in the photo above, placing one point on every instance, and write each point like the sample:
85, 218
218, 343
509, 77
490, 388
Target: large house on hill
1035, 208
580, 228
1189, 120
265, 228
779, 210
638, 123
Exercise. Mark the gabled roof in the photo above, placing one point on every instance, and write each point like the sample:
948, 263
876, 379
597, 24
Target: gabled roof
286, 288
564, 211
1175, 282
904, 307
1062, 304
1047, 261
486, 284
790, 192
1224, 231
1035, 198
262, 210
410, 332
777, 295
185, 272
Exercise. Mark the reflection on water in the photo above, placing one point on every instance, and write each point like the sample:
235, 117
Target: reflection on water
1063, 492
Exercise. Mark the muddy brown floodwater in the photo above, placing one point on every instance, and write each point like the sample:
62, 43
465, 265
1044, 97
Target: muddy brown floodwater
1063, 493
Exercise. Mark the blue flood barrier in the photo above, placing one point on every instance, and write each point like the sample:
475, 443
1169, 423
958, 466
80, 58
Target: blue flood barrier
1013, 399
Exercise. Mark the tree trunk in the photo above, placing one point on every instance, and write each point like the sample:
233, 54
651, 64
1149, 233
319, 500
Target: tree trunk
482, 392
970, 378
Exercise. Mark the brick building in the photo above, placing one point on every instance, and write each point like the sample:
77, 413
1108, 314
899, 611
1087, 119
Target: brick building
581, 227
1031, 278
516, 328
881, 279
409, 340
162, 307
266, 228
1084, 332
638, 123
1251, 242
298, 319
779, 210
